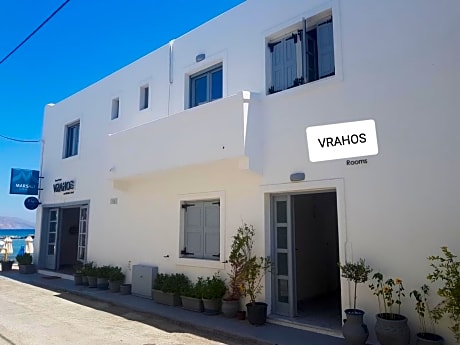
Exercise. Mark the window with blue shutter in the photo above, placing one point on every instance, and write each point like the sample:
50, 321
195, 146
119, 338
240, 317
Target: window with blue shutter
72, 136
206, 86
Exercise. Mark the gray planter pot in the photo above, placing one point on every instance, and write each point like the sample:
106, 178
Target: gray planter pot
92, 282
84, 280
193, 304
125, 289
429, 339
354, 330
212, 306
392, 331
167, 298
230, 307
114, 286
27, 269
257, 313
78, 279
6, 265
102, 283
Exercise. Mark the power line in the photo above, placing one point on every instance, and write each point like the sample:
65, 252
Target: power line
33, 33
19, 140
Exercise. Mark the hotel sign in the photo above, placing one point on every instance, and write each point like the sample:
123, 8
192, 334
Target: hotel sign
342, 140
64, 187
24, 181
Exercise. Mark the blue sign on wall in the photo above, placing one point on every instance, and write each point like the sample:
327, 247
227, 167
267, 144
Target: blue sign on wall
24, 181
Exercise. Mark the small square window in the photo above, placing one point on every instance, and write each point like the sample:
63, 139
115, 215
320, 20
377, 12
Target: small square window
115, 108
201, 229
206, 86
72, 133
144, 97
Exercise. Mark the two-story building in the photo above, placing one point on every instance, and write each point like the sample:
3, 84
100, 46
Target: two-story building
160, 162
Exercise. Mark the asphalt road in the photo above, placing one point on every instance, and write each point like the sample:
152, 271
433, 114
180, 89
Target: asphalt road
35, 316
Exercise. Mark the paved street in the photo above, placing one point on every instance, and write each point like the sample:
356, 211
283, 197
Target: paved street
31, 315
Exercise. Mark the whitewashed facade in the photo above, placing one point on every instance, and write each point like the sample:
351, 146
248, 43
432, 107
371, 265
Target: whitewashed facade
139, 153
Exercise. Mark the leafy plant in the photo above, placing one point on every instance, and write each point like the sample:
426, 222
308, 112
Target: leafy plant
255, 267
388, 294
116, 274
422, 308
356, 272
172, 283
24, 259
194, 290
237, 260
214, 287
446, 269
88, 267
78, 267
104, 271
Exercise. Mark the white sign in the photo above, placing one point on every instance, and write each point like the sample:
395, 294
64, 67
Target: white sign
64, 187
342, 140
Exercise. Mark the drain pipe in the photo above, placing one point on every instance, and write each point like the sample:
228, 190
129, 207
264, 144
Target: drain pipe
171, 77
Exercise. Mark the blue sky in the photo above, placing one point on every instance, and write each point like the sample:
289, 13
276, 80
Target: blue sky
84, 42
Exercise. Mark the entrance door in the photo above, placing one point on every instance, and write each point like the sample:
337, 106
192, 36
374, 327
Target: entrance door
53, 226
82, 234
284, 296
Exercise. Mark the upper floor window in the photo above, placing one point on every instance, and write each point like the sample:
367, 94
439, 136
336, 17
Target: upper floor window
303, 55
144, 97
72, 134
206, 86
115, 108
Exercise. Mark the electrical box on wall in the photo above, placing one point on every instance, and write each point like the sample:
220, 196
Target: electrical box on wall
142, 280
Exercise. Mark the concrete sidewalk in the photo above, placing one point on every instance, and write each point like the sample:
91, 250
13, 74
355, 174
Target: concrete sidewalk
270, 334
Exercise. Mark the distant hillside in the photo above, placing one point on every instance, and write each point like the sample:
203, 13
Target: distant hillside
15, 223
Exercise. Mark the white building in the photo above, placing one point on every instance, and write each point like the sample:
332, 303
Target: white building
161, 161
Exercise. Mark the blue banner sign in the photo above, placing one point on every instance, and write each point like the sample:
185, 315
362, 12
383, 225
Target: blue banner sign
24, 181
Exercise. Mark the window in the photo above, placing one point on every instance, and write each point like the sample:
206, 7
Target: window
72, 133
201, 229
206, 86
115, 108
303, 55
144, 97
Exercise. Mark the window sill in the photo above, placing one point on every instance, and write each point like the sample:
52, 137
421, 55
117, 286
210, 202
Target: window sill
216, 264
331, 80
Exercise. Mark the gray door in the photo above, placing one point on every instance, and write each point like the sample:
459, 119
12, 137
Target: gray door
82, 234
284, 292
53, 227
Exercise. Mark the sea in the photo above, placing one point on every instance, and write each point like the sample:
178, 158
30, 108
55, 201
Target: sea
18, 236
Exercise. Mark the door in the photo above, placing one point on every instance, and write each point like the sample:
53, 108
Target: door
284, 292
51, 250
82, 234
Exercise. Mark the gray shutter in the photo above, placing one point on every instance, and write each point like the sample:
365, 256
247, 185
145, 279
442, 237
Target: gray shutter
290, 61
312, 69
194, 229
278, 76
211, 230
325, 49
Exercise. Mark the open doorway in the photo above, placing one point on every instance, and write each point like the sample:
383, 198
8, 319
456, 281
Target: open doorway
307, 278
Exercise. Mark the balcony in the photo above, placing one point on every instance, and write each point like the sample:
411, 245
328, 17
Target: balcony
224, 129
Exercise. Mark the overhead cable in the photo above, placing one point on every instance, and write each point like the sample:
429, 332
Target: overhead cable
19, 140
33, 33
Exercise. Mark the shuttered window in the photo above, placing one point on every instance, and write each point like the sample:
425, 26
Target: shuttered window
201, 230
302, 56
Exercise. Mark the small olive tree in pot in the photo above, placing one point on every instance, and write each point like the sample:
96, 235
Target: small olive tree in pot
354, 329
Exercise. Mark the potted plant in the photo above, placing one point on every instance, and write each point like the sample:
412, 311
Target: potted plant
191, 297
391, 327
78, 273
167, 288
103, 275
446, 270
425, 314
354, 330
116, 278
237, 260
25, 263
84, 272
7, 249
213, 291
254, 271
91, 273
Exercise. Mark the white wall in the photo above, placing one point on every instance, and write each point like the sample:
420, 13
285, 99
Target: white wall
396, 63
